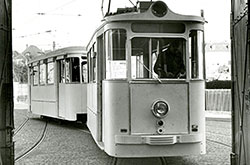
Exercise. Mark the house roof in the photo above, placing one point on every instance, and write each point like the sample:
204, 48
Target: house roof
32, 51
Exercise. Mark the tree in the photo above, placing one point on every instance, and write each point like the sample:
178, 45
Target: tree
20, 68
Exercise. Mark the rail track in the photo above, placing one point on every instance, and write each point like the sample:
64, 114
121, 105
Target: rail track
23, 123
215, 132
36, 144
20, 126
218, 142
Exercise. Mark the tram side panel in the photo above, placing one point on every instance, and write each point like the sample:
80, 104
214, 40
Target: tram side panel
92, 113
43, 101
58, 100
70, 97
197, 111
116, 113
43, 97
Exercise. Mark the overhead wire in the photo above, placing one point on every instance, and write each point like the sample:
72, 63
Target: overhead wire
50, 11
34, 34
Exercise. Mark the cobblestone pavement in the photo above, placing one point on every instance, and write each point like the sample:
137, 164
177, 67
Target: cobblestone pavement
66, 145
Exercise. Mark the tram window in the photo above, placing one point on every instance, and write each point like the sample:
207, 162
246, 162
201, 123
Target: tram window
158, 27
92, 64
72, 70
30, 74
115, 42
35, 75
89, 64
67, 71
75, 69
158, 58
140, 58
50, 73
196, 54
93, 59
42, 74
84, 72
62, 71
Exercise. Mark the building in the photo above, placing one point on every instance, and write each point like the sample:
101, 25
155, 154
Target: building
218, 61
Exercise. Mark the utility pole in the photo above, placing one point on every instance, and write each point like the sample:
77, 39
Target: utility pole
54, 45
6, 84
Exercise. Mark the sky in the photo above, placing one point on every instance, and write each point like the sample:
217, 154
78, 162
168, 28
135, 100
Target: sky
72, 22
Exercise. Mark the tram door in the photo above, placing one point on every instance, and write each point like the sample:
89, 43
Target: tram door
94, 101
69, 88
61, 83
100, 77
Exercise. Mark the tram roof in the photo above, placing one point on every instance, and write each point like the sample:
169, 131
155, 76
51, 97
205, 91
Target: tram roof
137, 15
149, 16
61, 52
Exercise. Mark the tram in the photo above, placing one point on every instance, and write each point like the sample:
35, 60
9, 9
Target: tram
146, 83
58, 84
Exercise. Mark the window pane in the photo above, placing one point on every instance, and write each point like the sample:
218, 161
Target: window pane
67, 71
115, 42
158, 58
196, 53
62, 71
42, 74
170, 62
50, 71
72, 70
84, 72
35, 75
92, 63
158, 27
118, 44
140, 58
75, 69
89, 64
94, 67
200, 54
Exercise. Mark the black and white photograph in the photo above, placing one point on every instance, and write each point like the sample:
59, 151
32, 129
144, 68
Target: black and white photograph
128, 82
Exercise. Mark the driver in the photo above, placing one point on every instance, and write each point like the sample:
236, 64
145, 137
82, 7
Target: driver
169, 63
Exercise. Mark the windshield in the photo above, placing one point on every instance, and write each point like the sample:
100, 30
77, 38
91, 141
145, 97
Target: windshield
158, 58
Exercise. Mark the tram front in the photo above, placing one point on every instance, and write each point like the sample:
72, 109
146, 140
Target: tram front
153, 95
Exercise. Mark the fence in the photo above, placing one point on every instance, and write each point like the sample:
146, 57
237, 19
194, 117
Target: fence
218, 100
20, 92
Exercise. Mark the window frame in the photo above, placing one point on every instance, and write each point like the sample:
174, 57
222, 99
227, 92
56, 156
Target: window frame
47, 71
84, 71
42, 75
35, 75
196, 55
151, 74
70, 70
112, 62
92, 64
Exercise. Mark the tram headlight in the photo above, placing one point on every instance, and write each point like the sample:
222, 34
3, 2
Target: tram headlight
160, 108
159, 9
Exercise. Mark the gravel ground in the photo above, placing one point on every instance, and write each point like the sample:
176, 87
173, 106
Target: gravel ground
65, 145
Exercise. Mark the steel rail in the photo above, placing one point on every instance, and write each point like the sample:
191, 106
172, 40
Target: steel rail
21, 126
34, 145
